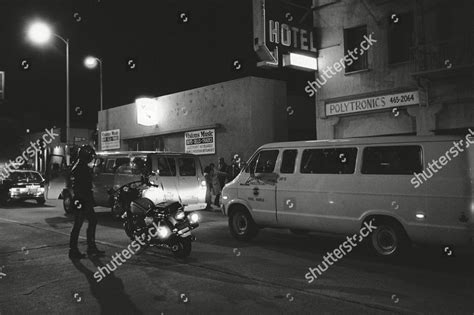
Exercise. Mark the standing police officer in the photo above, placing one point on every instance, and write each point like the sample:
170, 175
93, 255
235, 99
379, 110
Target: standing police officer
83, 203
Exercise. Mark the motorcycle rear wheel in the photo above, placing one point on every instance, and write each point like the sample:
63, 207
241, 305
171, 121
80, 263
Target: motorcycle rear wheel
184, 247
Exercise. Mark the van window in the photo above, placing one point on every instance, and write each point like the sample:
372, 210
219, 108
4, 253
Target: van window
139, 165
329, 161
165, 165
124, 169
187, 167
392, 160
121, 161
288, 161
109, 167
263, 162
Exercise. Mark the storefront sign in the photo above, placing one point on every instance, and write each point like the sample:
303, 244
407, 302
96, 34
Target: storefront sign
200, 142
147, 111
281, 29
372, 103
110, 139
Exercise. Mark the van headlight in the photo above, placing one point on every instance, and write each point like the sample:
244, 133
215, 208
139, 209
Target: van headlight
225, 197
193, 217
180, 215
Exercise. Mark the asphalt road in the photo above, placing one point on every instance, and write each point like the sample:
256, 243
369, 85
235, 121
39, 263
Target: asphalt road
222, 276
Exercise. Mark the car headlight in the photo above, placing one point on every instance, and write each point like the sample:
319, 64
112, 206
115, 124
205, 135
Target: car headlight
180, 215
193, 217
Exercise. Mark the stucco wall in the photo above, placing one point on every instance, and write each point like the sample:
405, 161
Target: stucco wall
447, 102
251, 111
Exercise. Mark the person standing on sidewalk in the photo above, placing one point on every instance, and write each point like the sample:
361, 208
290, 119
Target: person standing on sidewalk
208, 178
83, 203
222, 177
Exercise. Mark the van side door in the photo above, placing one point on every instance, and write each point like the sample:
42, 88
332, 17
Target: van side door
318, 195
258, 184
166, 176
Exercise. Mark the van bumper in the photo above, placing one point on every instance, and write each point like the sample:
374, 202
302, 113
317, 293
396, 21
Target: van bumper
195, 207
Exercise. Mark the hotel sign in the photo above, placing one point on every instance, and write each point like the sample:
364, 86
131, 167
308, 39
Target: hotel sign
278, 30
110, 139
200, 142
373, 103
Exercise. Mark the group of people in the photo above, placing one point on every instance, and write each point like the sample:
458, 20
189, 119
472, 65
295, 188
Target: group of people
217, 177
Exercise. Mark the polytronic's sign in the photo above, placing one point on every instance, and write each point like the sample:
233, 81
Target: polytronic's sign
277, 30
372, 103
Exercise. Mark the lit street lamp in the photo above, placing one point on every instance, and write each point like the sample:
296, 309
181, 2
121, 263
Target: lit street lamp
91, 62
40, 33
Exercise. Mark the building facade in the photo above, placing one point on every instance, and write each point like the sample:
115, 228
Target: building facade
241, 115
393, 67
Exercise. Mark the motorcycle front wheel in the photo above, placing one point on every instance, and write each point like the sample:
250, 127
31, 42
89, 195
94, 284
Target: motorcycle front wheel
182, 247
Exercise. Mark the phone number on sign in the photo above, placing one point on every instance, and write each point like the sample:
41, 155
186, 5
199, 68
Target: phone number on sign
402, 98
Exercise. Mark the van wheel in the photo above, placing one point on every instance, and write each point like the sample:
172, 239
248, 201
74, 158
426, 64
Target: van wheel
242, 226
388, 239
67, 204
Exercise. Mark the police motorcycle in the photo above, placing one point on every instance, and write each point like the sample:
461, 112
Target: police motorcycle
163, 224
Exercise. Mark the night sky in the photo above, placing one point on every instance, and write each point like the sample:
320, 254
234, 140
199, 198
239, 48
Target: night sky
170, 55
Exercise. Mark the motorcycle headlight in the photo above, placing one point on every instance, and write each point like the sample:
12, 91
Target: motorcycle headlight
163, 231
180, 215
193, 217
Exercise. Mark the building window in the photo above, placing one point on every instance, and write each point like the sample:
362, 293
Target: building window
329, 161
392, 160
400, 37
353, 38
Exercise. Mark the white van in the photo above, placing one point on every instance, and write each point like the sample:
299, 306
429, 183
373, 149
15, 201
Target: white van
179, 176
335, 186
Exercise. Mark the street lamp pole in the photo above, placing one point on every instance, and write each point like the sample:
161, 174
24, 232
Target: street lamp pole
68, 121
40, 33
91, 62
101, 86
